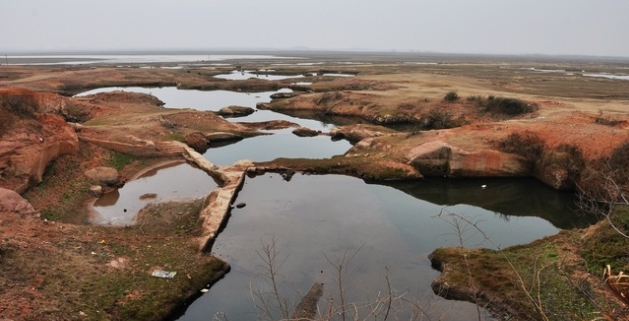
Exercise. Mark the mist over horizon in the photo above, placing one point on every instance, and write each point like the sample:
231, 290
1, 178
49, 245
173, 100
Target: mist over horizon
559, 28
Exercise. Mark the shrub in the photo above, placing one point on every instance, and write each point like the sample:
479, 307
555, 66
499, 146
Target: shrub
568, 157
14, 106
617, 164
22, 105
526, 144
573, 161
438, 118
507, 106
451, 96
75, 113
606, 179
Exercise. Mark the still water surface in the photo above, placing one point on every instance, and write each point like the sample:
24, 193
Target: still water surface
247, 74
282, 143
395, 227
121, 206
128, 59
213, 100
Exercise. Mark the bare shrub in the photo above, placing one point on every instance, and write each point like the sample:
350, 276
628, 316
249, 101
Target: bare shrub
510, 107
21, 104
568, 157
526, 144
439, 118
14, 106
451, 96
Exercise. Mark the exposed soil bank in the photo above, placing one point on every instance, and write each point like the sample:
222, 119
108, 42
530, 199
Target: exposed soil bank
58, 271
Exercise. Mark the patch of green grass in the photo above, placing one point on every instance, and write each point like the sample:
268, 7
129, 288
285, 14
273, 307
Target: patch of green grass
120, 160
75, 113
176, 137
383, 173
606, 246
530, 279
79, 279
63, 191
171, 218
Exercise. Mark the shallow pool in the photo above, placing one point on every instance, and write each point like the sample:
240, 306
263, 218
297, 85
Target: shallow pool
391, 231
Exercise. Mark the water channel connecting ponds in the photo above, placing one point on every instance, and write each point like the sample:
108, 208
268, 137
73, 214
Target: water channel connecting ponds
316, 219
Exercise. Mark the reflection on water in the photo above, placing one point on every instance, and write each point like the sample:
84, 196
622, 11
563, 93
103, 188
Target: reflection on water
508, 197
283, 143
213, 100
608, 76
129, 59
247, 74
338, 75
313, 215
121, 206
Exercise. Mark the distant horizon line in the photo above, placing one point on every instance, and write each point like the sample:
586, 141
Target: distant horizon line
145, 51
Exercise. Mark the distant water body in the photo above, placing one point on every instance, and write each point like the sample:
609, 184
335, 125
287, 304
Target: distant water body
129, 59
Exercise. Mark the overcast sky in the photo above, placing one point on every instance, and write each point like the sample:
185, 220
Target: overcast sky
580, 27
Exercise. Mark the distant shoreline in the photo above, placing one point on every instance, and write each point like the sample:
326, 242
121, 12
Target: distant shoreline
91, 57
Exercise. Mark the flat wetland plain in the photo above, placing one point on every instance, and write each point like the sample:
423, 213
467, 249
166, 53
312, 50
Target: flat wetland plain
408, 115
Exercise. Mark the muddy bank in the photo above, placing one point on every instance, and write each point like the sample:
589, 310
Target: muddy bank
549, 279
102, 273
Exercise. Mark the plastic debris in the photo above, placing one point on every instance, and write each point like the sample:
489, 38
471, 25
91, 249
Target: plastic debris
205, 290
163, 274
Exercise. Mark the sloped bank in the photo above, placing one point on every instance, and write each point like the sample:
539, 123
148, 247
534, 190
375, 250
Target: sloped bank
554, 278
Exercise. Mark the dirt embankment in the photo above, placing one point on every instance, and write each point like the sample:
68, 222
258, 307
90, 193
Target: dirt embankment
57, 271
60, 271
467, 136
30, 138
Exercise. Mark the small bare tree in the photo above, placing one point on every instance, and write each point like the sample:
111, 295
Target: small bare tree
271, 305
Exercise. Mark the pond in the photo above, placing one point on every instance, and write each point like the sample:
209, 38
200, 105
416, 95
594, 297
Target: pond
182, 181
393, 228
281, 143
129, 59
247, 74
121, 206
606, 75
213, 100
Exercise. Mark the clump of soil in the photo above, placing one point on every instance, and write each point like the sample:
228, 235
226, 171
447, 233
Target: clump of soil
170, 217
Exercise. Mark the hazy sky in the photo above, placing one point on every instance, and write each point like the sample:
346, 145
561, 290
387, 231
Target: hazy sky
582, 27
